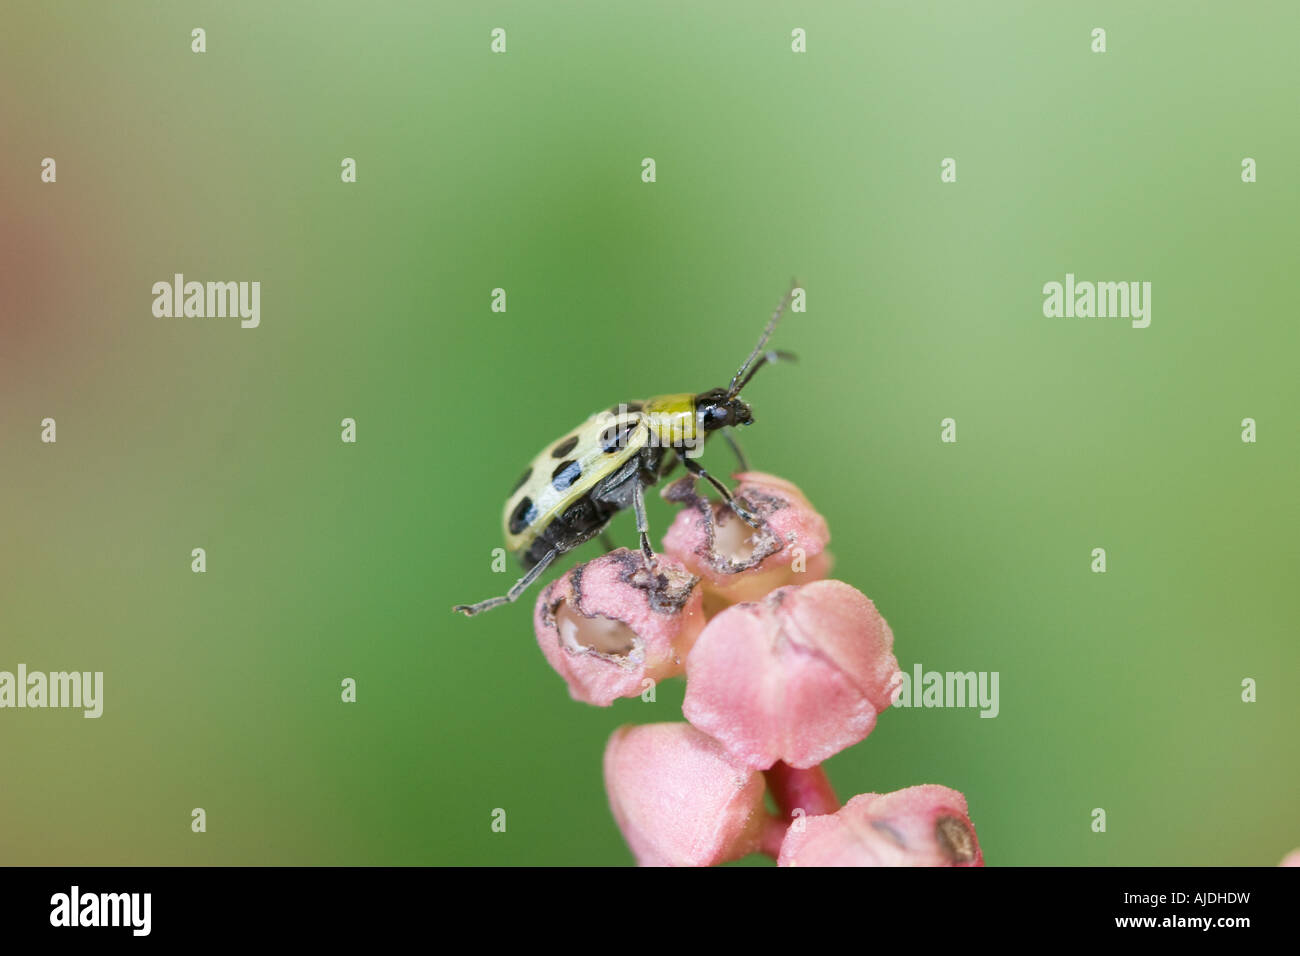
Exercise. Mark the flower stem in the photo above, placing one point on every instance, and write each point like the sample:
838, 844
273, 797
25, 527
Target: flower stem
807, 790
774, 830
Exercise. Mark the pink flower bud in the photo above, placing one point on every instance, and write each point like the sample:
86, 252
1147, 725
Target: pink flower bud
679, 799
797, 677
737, 562
919, 826
608, 627
1291, 859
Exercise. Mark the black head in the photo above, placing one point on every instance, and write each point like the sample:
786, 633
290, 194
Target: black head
717, 409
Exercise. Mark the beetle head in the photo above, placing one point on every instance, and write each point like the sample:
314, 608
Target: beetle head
717, 409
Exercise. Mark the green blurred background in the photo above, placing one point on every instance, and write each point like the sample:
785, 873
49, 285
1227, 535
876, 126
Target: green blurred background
522, 171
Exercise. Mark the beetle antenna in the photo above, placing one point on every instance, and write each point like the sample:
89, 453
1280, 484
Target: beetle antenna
776, 355
739, 379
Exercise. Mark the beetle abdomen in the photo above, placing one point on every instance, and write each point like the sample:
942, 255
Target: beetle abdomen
561, 478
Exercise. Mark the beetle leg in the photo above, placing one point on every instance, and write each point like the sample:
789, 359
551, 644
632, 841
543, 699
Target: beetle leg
642, 525
669, 463
469, 610
696, 469
735, 448
607, 542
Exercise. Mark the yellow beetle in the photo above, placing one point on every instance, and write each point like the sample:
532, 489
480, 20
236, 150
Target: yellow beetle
575, 485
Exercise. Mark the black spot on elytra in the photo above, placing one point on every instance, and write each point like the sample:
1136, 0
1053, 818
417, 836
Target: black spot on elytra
528, 473
564, 447
615, 437
565, 474
523, 515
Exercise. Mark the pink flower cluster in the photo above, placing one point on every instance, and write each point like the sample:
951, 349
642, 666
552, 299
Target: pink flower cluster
783, 670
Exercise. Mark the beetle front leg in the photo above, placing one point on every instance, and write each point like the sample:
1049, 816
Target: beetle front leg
730, 439
696, 469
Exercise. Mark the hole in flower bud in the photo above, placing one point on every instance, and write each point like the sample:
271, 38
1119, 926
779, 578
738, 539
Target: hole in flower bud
600, 634
732, 538
955, 839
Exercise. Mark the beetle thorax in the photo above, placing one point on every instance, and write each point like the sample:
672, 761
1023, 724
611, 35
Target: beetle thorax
671, 419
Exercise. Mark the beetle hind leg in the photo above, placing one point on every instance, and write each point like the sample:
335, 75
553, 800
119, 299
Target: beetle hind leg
520, 586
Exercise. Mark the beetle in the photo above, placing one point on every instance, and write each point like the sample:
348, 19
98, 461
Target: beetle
576, 485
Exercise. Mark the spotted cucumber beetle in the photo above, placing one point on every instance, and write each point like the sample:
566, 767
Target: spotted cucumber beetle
574, 486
